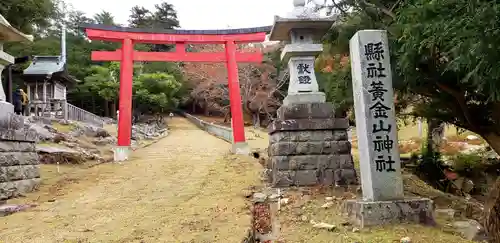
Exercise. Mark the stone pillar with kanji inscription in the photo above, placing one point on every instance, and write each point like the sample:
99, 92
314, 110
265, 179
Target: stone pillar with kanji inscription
308, 145
381, 180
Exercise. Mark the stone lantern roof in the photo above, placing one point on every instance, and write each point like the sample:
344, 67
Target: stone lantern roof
11, 34
8, 34
300, 18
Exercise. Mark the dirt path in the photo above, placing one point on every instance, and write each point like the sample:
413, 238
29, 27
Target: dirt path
185, 188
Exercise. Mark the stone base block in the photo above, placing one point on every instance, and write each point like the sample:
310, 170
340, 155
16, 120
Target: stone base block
240, 148
306, 111
309, 136
324, 177
304, 98
310, 148
410, 210
16, 188
18, 135
6, 111
308, 125
6, 108
287, 178
121, 153
312, 162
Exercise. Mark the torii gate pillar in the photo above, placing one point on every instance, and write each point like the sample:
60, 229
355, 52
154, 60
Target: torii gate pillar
237, 124
127, 55
125, 102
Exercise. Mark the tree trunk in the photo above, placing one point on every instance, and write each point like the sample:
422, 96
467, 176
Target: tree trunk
430, 167
93, 105
493, 140
255, 119
113, 109
435, 132
227, 116
206, 112
491, 212
106, 108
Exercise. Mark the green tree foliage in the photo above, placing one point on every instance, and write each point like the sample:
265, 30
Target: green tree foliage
156, 92
104, 18
165, 16
140, 17
443, 55
28, 15
103, 81
98, 86
337, 85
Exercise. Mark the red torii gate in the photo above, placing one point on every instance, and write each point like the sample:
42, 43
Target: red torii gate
127, 55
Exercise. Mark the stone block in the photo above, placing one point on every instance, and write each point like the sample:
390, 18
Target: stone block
6, 111
309, 148
311, 162
281, 178
304, 136
306, 111
14, 146
289, 178
16, 188
301, 136
240, 148
305, 178
376, 213
17, 135
340, 135
345, 176
19, 158
308, 124
304, 98
19, 172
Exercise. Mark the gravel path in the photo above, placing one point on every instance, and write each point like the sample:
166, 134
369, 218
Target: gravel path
184, 188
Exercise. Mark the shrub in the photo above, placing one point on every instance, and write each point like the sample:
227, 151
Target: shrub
466, 163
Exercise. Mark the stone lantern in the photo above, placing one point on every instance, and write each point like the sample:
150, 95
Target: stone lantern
19, 162
308, 144
8, 34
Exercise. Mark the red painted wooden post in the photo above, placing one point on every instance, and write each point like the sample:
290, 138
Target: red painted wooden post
235, 99
125, 102
126, 56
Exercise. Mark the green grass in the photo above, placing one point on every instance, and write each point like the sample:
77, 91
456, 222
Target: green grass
49, 144
296, 226
63, 128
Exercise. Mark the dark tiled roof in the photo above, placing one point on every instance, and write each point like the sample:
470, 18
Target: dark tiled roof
43, 67
266, 29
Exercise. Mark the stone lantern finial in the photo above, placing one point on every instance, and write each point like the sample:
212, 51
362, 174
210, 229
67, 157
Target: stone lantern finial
301, 11
299, 3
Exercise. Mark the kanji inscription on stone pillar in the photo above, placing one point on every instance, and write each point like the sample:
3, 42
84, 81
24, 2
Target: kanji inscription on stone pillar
376, 125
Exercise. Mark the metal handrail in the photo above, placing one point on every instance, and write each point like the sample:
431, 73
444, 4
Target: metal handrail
77, 114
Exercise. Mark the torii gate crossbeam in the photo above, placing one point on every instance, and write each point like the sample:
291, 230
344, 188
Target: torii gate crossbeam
127, 55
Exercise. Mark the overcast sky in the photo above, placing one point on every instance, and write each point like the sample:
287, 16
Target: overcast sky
198, 14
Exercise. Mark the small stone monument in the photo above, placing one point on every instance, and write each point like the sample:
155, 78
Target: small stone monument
308, 145
383, 199
19, 163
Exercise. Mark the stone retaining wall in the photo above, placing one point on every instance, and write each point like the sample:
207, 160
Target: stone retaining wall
309, 146
221, 132
19, 163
